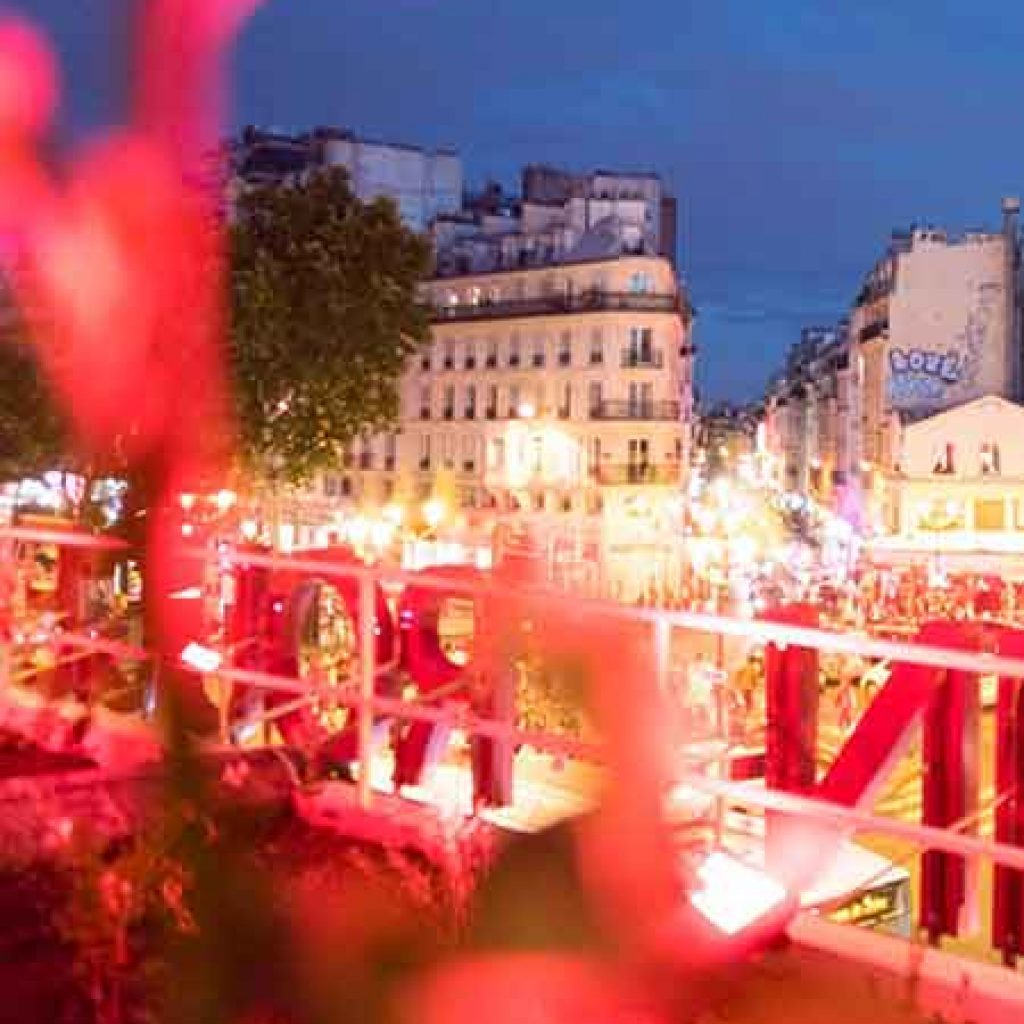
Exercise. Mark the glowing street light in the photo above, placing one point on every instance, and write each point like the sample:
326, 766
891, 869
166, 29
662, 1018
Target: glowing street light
394, 514
526, 410
224, 500
433, 513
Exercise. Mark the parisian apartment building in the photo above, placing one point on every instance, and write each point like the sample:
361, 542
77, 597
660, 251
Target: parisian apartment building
559, 375
934, 327
558, 378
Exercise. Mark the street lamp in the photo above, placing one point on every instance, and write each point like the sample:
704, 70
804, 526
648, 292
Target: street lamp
225, 500
433, 513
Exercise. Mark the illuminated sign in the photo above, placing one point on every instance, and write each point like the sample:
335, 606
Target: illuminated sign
871, 908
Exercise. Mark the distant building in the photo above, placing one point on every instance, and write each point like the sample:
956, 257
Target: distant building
810, 416
725, 435
599, 194
423, 183
958, 490
936, 325
559, 218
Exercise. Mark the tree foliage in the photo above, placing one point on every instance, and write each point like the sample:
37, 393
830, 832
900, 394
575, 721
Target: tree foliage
323, 320
33, 434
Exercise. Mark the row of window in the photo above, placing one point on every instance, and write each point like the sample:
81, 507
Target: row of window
464, 455
945, 460
517, 289
469, 497
455, 355
493, 402
987, 515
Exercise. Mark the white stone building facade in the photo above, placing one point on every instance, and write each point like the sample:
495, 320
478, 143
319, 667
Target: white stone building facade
551, 390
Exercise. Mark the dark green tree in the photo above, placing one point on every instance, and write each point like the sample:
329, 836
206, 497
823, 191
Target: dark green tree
33, 434
324, 318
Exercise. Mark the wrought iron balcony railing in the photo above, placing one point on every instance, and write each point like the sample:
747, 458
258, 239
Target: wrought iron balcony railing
546, 305
668, 411
637, 473
633, 359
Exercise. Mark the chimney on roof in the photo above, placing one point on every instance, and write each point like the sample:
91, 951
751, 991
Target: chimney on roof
1014, 386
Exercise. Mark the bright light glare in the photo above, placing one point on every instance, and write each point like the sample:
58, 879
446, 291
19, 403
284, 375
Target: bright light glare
433, 513
224, 500
734, 895
188, 594
202, 659
526, 410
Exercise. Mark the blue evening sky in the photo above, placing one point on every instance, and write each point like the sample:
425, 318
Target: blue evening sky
796, 133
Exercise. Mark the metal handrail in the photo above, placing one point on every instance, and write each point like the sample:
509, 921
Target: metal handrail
368, 704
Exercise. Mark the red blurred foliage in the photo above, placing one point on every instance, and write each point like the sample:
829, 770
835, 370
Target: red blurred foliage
120, 269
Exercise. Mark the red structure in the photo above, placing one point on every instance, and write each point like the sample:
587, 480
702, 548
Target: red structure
1008, 886
791, 687
430, 667
950, 782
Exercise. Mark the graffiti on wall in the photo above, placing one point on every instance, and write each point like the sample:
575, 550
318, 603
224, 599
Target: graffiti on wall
933, 377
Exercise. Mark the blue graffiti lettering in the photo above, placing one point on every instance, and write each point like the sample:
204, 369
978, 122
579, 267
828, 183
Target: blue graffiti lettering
946, 367
952, 368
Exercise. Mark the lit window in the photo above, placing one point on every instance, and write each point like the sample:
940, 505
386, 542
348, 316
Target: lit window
990, 514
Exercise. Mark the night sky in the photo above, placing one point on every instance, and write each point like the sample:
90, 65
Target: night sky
794, 137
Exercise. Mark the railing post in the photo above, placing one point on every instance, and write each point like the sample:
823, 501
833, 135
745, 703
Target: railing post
662, 652
367, 650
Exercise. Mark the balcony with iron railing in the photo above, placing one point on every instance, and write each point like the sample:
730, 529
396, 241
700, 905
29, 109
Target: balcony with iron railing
643, 359
626, 473
555, 304
640, 411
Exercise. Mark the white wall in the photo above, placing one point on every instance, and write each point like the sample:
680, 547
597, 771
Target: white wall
969, 427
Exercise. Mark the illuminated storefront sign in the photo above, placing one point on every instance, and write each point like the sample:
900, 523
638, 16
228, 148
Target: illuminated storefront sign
879, 906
